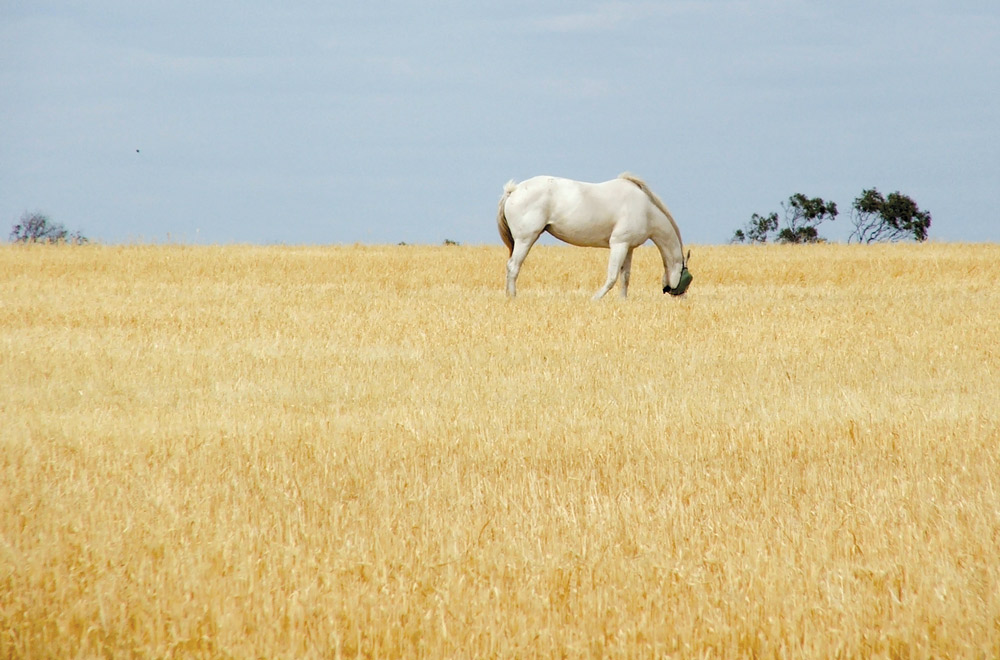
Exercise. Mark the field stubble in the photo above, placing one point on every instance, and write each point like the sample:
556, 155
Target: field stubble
320, 452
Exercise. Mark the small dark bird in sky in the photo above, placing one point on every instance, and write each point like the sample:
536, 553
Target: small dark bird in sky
136, 151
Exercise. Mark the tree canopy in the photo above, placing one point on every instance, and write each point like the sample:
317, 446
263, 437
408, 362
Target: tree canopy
875, 217
37, 228
893, 218
801, 218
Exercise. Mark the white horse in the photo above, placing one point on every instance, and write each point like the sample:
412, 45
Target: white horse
620, 214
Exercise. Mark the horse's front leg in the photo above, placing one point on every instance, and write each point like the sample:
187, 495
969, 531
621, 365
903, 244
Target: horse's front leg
616, 262
626, 272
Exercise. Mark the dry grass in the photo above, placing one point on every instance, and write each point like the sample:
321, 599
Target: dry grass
323, 452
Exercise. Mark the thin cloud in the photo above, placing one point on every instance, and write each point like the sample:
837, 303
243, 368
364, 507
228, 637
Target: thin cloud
609, 16
579, 88
599, 18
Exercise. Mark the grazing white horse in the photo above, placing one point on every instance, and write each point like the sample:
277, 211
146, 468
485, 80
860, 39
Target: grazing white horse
620, 214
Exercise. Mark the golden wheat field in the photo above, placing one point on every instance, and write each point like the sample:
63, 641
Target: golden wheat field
370, 452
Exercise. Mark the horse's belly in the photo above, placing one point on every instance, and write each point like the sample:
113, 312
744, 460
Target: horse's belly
591, 235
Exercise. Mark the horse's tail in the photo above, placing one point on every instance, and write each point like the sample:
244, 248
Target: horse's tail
657, 202
502, 225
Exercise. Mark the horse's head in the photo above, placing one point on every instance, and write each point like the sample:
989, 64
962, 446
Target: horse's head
685, 279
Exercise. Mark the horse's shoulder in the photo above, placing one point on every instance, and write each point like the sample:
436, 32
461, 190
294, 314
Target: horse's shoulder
623, 188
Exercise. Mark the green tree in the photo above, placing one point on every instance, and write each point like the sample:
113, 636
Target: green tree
757, 230
893, 218
802, 217
37, 228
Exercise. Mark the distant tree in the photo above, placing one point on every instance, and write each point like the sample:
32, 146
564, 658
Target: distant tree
757, 230
893, 218
802, 217
37, 228
448, 241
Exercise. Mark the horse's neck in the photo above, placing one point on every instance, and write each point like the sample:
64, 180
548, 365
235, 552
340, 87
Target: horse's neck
669, 242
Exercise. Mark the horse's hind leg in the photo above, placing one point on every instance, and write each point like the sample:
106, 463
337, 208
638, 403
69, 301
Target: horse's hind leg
517, 256
620, 252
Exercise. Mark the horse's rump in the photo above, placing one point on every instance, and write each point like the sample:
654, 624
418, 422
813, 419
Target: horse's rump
502, 225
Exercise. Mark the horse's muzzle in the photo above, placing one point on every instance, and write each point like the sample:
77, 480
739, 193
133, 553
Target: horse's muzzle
682, 285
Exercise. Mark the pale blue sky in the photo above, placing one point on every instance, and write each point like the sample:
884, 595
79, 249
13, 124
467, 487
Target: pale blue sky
328, 122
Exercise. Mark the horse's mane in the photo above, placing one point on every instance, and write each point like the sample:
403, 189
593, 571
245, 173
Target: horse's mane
657, 202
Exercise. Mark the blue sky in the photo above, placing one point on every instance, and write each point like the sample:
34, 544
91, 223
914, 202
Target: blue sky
327, 122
